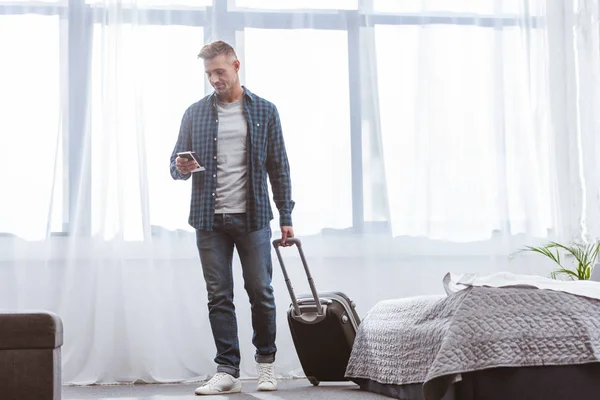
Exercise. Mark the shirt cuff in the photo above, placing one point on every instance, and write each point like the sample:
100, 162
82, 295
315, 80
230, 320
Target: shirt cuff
183, 176
285, 220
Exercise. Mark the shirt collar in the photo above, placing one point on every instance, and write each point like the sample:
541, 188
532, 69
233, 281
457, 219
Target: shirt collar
248, 95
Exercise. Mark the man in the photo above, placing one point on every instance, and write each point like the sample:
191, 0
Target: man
237, 136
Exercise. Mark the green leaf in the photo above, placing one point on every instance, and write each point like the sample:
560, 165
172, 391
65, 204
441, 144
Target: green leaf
568, 272
585, 256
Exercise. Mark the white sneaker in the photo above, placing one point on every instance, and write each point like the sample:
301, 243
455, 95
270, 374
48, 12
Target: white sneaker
220, 383
266, 377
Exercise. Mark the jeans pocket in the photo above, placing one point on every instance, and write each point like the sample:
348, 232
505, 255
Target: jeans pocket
260, 236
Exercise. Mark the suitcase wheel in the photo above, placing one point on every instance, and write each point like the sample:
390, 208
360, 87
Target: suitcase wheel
313, 380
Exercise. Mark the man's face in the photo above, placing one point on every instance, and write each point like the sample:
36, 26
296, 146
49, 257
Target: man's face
222, 73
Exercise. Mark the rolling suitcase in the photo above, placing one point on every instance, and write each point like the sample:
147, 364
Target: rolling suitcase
323, 326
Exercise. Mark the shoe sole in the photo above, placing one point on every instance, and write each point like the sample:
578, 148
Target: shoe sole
234, 390
218, 393
266, 389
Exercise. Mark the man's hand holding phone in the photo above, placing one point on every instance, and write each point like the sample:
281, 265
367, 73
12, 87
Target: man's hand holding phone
184, 165
187, 162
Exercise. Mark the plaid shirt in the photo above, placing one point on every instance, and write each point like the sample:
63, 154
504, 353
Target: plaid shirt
265, 155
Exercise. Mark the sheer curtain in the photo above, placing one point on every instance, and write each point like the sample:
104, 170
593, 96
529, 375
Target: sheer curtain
472, 153
424, 137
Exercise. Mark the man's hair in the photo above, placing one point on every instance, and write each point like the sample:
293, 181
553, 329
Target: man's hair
215, 49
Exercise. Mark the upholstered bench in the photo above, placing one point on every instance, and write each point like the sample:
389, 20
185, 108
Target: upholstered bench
30, 345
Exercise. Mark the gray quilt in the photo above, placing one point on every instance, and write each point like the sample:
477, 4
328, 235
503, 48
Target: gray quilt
433, 339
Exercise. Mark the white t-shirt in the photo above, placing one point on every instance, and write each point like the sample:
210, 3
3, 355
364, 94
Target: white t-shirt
231, 159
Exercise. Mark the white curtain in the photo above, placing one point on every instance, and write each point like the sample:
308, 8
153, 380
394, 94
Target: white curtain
477, 133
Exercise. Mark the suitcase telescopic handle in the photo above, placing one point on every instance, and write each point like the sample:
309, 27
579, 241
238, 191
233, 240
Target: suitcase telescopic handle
311, 283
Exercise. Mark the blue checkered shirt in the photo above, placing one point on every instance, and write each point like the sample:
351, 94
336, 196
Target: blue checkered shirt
265, 155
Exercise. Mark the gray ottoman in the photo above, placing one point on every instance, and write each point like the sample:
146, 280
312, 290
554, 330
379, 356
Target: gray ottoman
30, 356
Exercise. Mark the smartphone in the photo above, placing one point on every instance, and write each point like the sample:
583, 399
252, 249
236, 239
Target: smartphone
192, 156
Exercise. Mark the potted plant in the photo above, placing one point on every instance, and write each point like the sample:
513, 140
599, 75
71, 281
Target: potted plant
585, 257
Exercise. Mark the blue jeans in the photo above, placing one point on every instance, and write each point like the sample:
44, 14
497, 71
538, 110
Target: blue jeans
216, 255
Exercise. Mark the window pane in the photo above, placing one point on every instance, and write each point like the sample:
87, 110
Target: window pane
456, 6
143, 80
456, 133
431, 189
32, 2
169, 4
307, 79
298, 4
30, 123
528, 185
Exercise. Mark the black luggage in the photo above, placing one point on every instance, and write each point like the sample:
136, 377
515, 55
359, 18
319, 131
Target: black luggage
323, 335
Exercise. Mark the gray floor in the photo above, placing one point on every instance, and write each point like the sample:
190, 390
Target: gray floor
296, 389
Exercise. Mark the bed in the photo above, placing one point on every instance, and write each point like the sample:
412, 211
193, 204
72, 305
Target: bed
508, 342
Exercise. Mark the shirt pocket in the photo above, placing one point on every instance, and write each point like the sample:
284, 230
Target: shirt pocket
259, 141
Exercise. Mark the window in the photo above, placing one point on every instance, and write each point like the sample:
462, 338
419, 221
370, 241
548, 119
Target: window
298, 4
30, 127
311, 93
445, 168
156, 78
29, 2
156, 4
154, 75
454, 6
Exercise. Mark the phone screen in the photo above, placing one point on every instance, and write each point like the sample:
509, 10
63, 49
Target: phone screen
195, 157
187, 156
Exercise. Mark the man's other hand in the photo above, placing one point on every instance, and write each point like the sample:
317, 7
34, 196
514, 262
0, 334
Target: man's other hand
286, 233
184, 165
